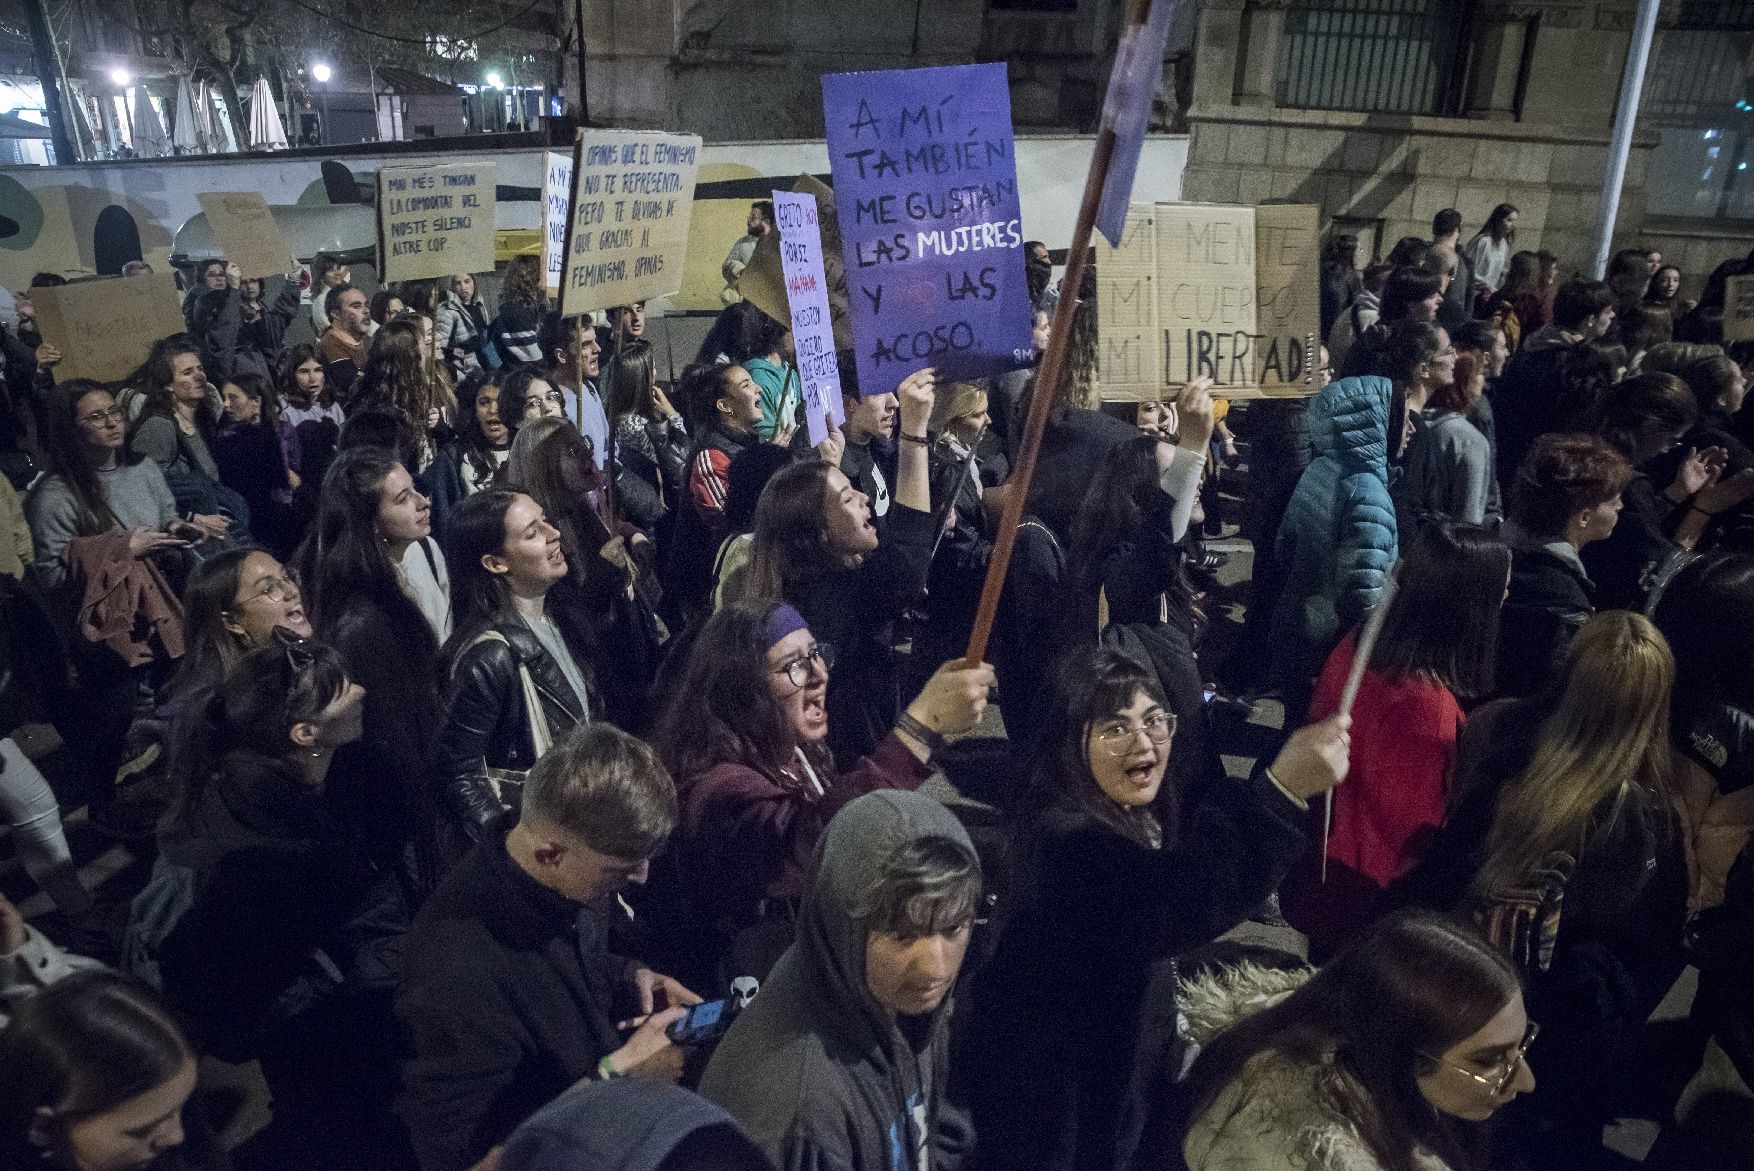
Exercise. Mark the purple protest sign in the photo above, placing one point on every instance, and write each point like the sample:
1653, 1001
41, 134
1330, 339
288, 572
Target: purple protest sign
812, 324
925, 184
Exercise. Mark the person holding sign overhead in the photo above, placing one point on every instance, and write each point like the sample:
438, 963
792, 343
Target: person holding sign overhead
817, 547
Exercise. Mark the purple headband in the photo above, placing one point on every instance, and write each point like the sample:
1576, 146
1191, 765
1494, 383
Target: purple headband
782, 620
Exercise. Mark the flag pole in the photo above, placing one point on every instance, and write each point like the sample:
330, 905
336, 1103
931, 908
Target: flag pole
1047, 375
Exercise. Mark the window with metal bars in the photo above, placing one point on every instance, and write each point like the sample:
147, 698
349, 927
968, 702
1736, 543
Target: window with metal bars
1699, 101
1374, 56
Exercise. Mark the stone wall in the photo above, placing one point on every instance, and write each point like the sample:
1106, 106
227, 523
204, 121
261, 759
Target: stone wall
1384, 176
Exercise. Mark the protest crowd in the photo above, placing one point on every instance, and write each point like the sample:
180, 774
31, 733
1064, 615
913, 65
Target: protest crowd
505, 716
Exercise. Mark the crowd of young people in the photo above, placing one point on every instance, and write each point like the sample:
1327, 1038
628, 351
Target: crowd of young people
502, 701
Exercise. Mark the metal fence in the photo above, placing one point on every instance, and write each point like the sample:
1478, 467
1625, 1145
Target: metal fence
1374, 56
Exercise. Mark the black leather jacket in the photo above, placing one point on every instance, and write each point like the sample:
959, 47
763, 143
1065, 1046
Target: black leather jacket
486, 724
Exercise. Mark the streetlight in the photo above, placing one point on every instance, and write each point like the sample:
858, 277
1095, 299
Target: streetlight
121, 77
322, 73
495, 81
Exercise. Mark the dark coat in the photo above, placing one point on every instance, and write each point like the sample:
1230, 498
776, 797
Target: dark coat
1074, 1017
232, 345
486, 722
1072, 447
1524, 406
1549, 599
385, 780
508, 1000
1625, 563
289, 910
855, 610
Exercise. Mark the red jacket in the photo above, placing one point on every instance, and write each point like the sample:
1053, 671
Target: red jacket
747, 837
1391, 805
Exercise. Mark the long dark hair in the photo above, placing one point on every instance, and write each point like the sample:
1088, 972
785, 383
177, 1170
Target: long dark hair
1414, 986
479, 599
1522, 276
740, 332
263, 695
726, 711
82, 1047
209, 649
69, 459
1495, 228
631, 374
698, 393
155, 376
1443, 623
1642, 399
260, 390
286, 378
343, 556
790, 546
396, 373
1116, 509
1707, 614
471, 440
1092, 684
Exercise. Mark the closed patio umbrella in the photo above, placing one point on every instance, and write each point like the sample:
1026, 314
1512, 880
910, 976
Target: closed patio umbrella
267, 131
185, 132
145, 128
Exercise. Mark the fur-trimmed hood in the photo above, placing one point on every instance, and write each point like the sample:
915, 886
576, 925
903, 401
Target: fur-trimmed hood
1280, 1115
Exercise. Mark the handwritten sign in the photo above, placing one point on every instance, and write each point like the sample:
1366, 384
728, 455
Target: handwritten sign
632, 197
1203, 289
435, 221
801, 250
925, 180
763, 283
103, 328
556, 200
1739, 309
247, 233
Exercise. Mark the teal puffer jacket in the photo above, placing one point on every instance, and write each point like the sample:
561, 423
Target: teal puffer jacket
1337, 542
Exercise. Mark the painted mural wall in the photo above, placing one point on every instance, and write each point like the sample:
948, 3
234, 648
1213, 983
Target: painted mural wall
55, 211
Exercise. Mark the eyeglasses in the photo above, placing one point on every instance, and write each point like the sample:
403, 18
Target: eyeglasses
107, 415
275, 589
798, 670
1118, 738
1497, 1081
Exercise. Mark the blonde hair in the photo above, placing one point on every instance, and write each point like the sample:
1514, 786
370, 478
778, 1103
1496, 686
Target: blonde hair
1608, 730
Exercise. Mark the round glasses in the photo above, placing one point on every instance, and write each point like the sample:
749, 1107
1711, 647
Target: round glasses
275, 589
1118, 738
797, 670
1497, 1080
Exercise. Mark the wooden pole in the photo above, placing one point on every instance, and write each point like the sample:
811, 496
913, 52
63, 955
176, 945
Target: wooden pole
1047, 379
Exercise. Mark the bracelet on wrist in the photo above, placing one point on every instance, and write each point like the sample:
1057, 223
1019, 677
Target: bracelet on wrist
606, 1070
933, 741
922, 440
1300, 802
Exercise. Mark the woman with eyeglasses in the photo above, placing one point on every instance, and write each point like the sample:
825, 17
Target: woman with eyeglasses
744, 732
1386, 1059
1450, 472
1562, 839
1643, 418
529, 396
1073, 1026
290, 947
509, 648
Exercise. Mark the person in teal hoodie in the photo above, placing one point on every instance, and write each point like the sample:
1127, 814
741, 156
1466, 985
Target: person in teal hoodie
1338, 541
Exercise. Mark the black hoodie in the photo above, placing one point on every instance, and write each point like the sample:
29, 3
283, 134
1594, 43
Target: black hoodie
815, 1069
626, 1125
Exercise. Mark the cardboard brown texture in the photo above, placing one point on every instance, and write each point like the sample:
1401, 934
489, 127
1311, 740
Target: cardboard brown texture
104, 328
763, 283
1195, 290
247, 233
435, 221
632, 198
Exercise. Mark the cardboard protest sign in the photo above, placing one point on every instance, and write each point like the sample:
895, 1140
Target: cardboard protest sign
632, 196
1739, 309
801, 249
247, 233
103, 328
1205, 289
925, 180
556, 201
435, 221
763, 283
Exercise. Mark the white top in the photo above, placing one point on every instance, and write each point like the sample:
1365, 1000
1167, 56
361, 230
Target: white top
1489, 260
429, 585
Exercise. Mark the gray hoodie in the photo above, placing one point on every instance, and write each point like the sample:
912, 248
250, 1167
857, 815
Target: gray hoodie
815, 1070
